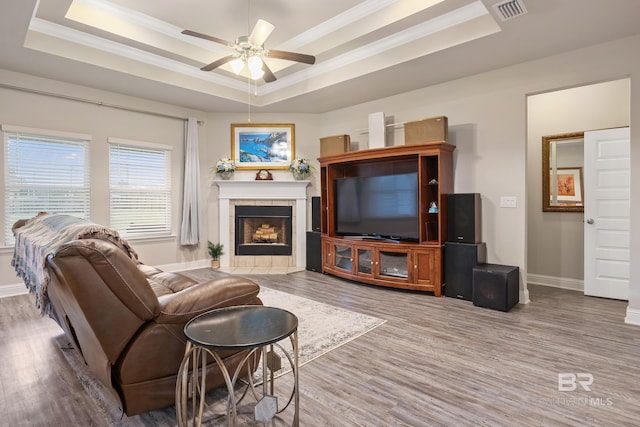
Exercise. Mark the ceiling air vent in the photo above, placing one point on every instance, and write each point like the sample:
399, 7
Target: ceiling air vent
510, 9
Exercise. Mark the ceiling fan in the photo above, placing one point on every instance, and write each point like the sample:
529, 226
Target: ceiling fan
250, 52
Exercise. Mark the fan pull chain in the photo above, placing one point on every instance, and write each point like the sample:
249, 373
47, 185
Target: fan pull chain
248, 100
248, 16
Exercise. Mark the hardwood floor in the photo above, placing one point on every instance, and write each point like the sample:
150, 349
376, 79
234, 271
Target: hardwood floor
435, 362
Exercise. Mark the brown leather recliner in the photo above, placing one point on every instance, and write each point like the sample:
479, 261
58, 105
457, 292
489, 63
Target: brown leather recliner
127, 319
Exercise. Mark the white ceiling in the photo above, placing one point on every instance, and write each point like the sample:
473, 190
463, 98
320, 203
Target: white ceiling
365, 49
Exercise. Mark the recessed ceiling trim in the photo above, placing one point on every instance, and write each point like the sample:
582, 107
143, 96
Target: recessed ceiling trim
357, 22
128, 52
79, 9
336, 23
449, 20
292, 85
130, 15
439, 23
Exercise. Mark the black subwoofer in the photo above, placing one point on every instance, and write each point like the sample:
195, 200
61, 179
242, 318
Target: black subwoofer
314, 253
459, 260
464, 218
496, 286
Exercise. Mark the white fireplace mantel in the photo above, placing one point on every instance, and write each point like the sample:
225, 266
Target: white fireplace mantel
255, 190
263, 190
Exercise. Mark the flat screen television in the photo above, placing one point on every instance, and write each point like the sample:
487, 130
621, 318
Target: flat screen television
384, 206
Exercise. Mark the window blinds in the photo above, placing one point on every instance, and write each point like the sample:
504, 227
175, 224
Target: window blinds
44, 173
140, 189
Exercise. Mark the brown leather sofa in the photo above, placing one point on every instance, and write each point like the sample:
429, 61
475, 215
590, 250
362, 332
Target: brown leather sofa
127, 318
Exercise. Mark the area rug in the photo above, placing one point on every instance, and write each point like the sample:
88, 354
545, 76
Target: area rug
321, 328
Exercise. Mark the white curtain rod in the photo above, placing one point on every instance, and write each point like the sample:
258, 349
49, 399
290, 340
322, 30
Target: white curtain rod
99, 103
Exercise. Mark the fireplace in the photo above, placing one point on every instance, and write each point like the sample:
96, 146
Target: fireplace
235, 192
263, 230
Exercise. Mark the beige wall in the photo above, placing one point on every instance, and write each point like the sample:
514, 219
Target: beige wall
488, 123
219, 145
45, 112
555, 247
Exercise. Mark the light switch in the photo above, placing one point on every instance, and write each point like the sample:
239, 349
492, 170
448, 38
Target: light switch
508, 201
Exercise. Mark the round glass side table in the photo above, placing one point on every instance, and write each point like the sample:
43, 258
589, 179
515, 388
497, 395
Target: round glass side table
249, 327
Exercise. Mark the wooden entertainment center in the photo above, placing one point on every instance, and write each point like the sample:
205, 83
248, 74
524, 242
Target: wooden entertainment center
398, 264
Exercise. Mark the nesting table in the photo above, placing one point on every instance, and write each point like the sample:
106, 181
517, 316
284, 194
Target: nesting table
250, 327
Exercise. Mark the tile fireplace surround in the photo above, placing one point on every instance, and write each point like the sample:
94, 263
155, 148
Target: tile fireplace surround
268, 193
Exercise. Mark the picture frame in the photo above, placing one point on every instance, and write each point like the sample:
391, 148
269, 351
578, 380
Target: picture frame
569, 182
560, 151
262, 145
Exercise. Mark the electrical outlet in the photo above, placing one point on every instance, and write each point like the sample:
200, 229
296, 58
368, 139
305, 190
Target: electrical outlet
508, 201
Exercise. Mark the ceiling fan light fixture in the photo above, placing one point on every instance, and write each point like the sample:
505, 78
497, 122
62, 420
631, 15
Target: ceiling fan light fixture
237, 65
255, 75
250, 52
254, 63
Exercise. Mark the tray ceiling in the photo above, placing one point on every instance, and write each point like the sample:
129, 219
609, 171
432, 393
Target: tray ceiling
364, 49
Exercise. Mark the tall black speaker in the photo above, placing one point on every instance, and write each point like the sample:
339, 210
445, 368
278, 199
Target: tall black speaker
464, 218
459, 261
314, 252
496, 286
315, 213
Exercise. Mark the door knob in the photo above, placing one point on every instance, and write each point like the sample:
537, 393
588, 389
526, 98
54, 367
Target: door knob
590, 221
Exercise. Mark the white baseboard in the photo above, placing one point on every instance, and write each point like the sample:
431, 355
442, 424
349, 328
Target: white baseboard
14, 289
556, 282
633, 317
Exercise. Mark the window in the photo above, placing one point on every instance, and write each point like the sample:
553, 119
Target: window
44, 171
140, 188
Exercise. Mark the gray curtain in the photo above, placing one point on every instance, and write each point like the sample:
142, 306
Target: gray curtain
190, 227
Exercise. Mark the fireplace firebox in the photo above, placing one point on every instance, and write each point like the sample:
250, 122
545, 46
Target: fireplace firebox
263, 230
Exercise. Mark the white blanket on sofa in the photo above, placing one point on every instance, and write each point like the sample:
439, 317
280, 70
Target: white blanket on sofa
41, 236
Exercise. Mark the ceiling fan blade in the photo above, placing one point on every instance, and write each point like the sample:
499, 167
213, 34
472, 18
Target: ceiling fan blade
206, 37
219, 62
292, 56
260, 32
268, 74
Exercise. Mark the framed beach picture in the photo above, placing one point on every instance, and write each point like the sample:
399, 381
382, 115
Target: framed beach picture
262, 146
569, 186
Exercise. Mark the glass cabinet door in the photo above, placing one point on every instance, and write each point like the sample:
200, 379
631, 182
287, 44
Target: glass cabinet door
394, 264
343, 257
365, 261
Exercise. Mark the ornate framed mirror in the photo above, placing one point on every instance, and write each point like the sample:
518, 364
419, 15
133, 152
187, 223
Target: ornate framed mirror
562, 160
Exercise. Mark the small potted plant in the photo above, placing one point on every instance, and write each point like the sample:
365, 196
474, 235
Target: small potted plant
225, 167
301, 168
215, 250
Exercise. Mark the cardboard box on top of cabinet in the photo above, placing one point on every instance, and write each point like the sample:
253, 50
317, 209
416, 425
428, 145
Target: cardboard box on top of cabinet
434, 129
336, 144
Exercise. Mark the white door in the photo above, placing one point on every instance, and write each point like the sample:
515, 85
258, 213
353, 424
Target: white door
606, 213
